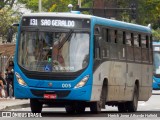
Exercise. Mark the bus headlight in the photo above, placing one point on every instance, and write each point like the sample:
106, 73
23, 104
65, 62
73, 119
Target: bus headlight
20, 80
82, 82
154, 81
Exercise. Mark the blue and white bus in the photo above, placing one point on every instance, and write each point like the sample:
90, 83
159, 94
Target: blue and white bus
156, 58
78, 61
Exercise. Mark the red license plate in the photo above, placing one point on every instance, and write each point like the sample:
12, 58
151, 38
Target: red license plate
50, 96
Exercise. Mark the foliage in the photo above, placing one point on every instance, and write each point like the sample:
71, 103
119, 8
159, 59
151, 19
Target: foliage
149, 12
156, 34
9, 3
54, 5
7, 18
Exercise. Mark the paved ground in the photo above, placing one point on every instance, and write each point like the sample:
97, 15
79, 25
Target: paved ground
8, 104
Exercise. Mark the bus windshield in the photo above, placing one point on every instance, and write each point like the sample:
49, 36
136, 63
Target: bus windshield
53, 51
156, 62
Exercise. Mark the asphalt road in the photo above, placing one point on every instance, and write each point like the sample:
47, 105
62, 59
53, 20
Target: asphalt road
146, 110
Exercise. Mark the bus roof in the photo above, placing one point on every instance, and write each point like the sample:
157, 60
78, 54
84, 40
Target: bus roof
98, 20
122, 25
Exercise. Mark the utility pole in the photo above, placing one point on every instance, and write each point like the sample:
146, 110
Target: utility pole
40, 5
79, 3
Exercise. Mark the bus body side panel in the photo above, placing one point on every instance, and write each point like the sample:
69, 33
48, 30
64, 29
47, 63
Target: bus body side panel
121, 76
146, 88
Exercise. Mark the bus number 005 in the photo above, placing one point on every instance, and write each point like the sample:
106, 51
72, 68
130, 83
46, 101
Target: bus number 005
65, 85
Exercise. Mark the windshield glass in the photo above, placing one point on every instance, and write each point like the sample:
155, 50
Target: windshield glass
54, 51
156, 62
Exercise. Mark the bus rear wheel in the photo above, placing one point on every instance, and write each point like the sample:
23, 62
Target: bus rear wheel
132, 105
36, 106
122, 107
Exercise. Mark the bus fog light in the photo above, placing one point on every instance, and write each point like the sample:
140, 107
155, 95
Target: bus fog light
20, 80
82, 82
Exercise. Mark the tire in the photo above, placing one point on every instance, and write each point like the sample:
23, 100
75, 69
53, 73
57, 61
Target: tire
36, 106
132, 105
70, 109
80, 107
96, 107
122, 107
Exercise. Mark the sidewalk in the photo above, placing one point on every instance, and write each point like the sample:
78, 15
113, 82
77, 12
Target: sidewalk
8, 104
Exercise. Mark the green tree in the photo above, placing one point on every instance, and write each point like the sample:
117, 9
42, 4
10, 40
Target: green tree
9, 3
7, 18
54, 5
149, 12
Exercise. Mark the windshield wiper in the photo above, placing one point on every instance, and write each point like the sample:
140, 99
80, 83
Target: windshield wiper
66, 38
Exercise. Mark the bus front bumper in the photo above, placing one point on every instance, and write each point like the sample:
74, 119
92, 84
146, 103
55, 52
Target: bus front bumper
82, 93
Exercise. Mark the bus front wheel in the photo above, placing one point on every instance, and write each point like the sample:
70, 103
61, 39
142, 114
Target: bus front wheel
96, 107
70, 109
36, 106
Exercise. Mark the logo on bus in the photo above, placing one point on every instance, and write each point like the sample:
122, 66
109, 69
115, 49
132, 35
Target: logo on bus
50, 84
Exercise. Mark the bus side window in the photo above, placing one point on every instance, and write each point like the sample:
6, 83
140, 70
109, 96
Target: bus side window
96, 47
145, 50
129, 46
139, 38
137, 48
136, 40
105, 45
97, 42
120, 37
121, 45
105, 34
147, 41
150, 49
113, 44
143, 41
128, 39
112, 36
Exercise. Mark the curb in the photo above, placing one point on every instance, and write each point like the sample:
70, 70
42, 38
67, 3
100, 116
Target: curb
15, 107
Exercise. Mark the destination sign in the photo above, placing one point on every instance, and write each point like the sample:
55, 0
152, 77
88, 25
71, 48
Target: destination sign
56, 22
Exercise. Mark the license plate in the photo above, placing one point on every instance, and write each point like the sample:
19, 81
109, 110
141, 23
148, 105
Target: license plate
50, 96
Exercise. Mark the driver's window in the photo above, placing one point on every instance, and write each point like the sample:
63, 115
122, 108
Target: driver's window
97, 36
